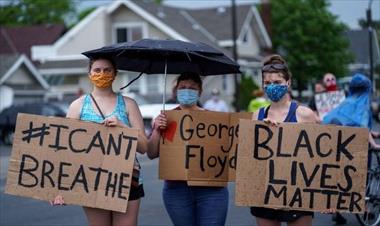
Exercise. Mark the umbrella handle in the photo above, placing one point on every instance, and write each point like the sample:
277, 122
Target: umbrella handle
164, 93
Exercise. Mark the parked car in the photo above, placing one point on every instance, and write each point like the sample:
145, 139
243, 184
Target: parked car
8, 116
150, 111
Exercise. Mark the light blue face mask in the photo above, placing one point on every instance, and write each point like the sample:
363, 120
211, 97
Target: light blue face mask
187, 97
275, 91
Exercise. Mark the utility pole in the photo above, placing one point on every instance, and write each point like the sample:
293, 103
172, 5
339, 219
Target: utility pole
234, 52
370, 31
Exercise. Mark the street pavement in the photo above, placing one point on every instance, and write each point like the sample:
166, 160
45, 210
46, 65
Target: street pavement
17, 211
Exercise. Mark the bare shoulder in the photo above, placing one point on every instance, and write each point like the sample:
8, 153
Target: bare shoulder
132, 107
130, 102
75, 107
305, 114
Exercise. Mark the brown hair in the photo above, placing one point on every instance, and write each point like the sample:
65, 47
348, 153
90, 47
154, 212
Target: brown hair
92, 60
276, 59
189, 76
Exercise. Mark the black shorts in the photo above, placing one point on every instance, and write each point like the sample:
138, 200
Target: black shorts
136, 192
279, 215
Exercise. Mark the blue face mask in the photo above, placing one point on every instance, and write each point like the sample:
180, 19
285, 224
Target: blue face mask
187, 97
275, 91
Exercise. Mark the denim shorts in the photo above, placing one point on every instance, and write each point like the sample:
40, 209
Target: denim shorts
195, 205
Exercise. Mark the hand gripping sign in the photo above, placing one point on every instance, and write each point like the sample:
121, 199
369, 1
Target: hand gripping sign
200, 147
301, 166
88, 163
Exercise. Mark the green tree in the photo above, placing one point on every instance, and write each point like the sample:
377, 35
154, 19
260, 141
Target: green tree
247, 86
31, 12
310, 39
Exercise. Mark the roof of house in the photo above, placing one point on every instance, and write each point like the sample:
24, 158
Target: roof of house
15, 40
216, 21
6, 62
359, 46
211, 26
9, 63
208, 25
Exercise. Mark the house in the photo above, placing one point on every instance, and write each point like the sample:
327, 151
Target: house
20, 81
127, 20
19, 40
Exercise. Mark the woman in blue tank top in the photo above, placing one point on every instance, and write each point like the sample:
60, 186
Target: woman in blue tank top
276, 81
110, 109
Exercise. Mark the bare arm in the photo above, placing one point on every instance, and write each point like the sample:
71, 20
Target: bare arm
305, 114
160, 123
136, 121
372, 142
74, 108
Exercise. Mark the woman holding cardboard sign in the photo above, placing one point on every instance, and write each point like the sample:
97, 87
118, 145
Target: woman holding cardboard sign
276, 81
111, 109
189, 205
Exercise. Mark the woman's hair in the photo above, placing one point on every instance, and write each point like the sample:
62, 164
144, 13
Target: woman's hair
276, 64
92, 60
189, 76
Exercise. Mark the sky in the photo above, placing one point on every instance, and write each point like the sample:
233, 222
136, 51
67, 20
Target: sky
348, 11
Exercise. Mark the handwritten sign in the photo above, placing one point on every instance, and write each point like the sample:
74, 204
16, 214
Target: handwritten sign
327, 101
88, 163
301, 166
200, 147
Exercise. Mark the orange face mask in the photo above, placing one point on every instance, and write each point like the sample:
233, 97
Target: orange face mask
102, 79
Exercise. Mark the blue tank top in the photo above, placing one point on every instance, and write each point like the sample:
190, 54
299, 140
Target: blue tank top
290, 117
88, 113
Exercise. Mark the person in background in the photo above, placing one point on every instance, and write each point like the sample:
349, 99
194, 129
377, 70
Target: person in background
258, 102
215, 103
318, 88
276, 78
329, 82
106, 107
354, 111
188, 205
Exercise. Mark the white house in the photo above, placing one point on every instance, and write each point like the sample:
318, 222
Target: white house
18, 74
125, 20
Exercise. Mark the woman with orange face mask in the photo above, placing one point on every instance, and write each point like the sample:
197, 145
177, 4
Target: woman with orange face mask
104, 106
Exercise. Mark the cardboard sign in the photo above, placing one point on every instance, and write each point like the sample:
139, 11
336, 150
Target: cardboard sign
301, 166
200, 147
327, 101
87, 163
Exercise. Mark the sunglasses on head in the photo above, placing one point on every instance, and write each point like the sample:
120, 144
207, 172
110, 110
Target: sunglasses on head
274, 67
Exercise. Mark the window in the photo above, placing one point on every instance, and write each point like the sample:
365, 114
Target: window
246, 39
153, 83
126, 33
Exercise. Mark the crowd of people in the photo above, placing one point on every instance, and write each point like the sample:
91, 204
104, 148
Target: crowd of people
208, 205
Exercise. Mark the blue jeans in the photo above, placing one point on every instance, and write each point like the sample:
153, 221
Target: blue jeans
195, 206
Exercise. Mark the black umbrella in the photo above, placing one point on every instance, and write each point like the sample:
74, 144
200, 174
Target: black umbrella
152, 56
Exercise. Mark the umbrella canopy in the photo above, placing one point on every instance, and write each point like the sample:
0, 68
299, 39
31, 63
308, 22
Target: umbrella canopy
152, 56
